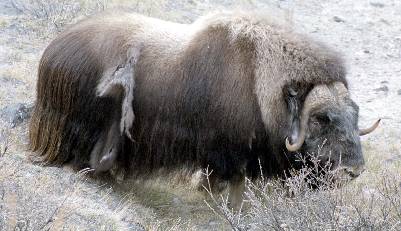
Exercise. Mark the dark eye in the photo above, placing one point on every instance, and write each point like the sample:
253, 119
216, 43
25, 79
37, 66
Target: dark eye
323, 119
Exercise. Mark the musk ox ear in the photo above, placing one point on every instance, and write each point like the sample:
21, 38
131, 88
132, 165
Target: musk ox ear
117, 78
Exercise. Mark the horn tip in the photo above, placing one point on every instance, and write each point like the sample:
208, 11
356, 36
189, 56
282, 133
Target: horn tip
287, 143
290, 147
377, 122
371, 129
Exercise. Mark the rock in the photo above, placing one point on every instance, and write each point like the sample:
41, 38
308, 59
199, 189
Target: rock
399, 92
10, 80
22, 225
369, 192
136, 227
393, 159
377, 4
177, 201
383, 88
15, 114
213, 223
384, 21
338, 19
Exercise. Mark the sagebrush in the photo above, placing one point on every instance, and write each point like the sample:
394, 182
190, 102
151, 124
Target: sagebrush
298, 203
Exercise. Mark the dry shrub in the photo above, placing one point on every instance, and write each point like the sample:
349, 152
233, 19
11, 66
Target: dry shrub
53, 15
298, 203
4, 141
170, 225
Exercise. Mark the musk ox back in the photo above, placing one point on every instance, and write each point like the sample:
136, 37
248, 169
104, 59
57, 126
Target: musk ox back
227, 92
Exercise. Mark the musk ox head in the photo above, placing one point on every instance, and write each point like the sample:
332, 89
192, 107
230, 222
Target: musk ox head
328, 128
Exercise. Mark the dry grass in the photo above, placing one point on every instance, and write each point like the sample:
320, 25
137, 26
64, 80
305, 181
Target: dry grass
292, 204
4, 141
50, 17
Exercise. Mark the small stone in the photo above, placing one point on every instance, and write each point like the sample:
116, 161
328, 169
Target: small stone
393, 159
366, 51
384, 21
283, 225
338, 19
136, 227
21, 225
377, 4
383, 88
177, 201
399, 92
10, 80
16, 114
213, 223
368, 192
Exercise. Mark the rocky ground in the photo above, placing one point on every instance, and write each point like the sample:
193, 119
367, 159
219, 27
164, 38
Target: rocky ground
32, 197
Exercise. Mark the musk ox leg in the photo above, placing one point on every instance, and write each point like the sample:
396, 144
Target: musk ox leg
204, 179
105, 151
226, 164
236, 191
236, 186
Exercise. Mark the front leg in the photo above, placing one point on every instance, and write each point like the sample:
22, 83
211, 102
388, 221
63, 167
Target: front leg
236, 192
227, 167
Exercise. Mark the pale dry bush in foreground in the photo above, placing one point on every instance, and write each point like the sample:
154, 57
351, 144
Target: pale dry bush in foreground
296, 203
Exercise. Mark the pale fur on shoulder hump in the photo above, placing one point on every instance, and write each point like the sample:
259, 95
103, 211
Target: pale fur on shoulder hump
282, 57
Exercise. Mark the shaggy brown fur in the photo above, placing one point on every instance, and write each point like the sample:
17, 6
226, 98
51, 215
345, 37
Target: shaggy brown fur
213, 93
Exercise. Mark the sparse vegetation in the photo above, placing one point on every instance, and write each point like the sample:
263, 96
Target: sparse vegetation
4, 141
292, 204
52, 16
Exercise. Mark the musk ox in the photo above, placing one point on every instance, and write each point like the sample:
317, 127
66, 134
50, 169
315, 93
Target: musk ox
227, 92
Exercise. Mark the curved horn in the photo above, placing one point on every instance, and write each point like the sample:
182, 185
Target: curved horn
318, 96
293, 147
366, 131
308, 106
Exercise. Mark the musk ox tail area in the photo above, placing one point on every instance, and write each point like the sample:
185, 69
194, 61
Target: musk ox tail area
82, 98
66, 106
